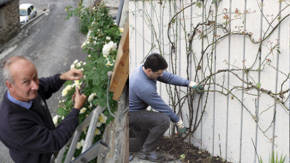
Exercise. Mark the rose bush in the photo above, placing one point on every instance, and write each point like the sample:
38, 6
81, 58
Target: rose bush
103, 36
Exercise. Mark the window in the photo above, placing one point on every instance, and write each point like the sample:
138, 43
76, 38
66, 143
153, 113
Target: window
29, 11
22, 12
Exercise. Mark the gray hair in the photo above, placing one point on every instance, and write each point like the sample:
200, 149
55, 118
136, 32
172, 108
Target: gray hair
6, 71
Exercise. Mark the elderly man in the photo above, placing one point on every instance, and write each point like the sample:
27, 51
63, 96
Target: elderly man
149, 126
26, 126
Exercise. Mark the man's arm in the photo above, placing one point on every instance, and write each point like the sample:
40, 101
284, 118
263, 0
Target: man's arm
38, 138
155, 101
47, 86
170, 78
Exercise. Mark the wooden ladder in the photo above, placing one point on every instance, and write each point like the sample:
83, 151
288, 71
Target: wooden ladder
89, 150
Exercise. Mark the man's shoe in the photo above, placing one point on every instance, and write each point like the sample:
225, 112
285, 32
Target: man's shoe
131, 157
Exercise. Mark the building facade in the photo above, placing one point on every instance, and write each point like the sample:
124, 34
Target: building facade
9, 19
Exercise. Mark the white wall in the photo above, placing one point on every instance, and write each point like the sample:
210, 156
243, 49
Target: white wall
226, 127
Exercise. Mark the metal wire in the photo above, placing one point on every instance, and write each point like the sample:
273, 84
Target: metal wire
289, 99
276, 85
257, 102
228, 84
214, 77
243, 77
143, 35
135, 28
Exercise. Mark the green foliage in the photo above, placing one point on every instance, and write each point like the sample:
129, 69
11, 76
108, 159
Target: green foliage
198, 4
274, 158
85, 14
101, 31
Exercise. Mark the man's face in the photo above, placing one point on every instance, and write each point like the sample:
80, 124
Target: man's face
25, 81
155, 75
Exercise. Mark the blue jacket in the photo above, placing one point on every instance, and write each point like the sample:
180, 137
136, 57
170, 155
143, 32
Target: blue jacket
30, 134
143, 92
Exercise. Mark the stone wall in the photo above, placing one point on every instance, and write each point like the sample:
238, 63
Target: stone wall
9, 20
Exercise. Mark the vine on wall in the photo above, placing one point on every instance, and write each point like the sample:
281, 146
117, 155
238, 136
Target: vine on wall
214, 27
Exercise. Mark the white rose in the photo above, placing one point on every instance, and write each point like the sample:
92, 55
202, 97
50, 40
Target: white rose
89, 56
99, 124
80, 144
91, 97
106, 50
83, 110
97, 132
77, 84
66, 90
78, 65
72, 66
85, 44
76, 61
102, 118
55, 119
113, 45
108, 47
108, 38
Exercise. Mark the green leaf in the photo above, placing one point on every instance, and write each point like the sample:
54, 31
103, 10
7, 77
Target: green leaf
182, 156
198, 4
258, 85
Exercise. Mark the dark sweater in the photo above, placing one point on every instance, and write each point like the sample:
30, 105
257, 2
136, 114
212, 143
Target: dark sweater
30, 134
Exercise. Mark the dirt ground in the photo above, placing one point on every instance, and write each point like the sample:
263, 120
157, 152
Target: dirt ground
186, 152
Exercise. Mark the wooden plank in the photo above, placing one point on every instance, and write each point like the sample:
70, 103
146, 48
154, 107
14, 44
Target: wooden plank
98, 148
121, 70
116, 134
92, 128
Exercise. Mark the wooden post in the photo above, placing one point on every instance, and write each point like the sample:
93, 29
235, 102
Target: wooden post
116, 134
121, 69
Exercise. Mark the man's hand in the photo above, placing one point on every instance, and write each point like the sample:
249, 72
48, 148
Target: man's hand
180, 127
72, 74
196, 86
79, 99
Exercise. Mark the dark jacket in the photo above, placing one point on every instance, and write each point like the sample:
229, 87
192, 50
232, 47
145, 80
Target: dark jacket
30, 134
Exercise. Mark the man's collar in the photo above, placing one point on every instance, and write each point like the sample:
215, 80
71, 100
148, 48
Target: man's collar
26, 105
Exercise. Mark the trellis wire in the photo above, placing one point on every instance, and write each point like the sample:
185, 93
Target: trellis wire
243, 77
152, 28
276, 84
214, 78
257, 102
135, 32
160, 36
289, 98
228, 84
143, 36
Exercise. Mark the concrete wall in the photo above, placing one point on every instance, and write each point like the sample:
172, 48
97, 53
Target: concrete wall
227, 129
9, 20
